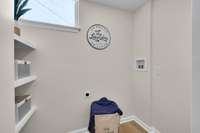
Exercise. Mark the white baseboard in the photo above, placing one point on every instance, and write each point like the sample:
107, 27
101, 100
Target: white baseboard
83, 130
124, 120
154, 130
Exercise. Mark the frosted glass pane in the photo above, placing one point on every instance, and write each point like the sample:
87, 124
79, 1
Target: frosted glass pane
60, 12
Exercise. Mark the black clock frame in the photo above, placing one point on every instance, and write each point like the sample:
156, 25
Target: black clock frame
104, 28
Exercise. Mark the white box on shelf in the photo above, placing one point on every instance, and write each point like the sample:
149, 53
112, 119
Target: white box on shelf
22, 69
22, 106
25, 119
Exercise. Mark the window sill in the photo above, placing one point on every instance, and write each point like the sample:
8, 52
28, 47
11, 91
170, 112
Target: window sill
48, 26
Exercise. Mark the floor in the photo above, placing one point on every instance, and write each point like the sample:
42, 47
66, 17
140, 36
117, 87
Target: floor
131, 127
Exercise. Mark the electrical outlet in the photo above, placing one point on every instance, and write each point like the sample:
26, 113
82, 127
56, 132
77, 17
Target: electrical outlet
87, 94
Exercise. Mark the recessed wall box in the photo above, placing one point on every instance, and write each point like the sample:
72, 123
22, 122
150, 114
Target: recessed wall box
141, 64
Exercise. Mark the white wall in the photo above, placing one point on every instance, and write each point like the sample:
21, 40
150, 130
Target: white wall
167, 105
66, 66
172, 65
142, 49
196, 66
7, 68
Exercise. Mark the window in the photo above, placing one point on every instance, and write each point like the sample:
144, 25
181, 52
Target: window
58, 12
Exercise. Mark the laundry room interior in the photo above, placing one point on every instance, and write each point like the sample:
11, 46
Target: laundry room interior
100, 66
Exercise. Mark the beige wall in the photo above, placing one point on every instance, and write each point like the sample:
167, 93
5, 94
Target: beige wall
172, 65
196, 66
67, 66
167, 104
7, 68
142, 49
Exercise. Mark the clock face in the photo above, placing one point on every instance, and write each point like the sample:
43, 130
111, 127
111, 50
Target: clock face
99, 37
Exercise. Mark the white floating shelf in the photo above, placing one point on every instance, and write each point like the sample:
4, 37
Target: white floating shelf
24, 81
22, 43
24, 121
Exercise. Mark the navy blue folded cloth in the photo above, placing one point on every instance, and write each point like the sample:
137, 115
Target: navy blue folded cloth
102, 107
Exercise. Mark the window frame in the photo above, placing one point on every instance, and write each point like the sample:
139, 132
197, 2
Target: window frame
57, 27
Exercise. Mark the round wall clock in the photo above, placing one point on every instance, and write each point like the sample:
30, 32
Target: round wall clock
98, 37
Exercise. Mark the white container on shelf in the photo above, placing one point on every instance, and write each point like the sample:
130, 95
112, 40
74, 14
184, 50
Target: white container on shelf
22, 69
22, 107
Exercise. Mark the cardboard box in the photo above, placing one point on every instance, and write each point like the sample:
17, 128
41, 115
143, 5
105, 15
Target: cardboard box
107, 123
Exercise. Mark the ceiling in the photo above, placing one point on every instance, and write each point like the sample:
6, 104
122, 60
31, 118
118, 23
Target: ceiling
122, 4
